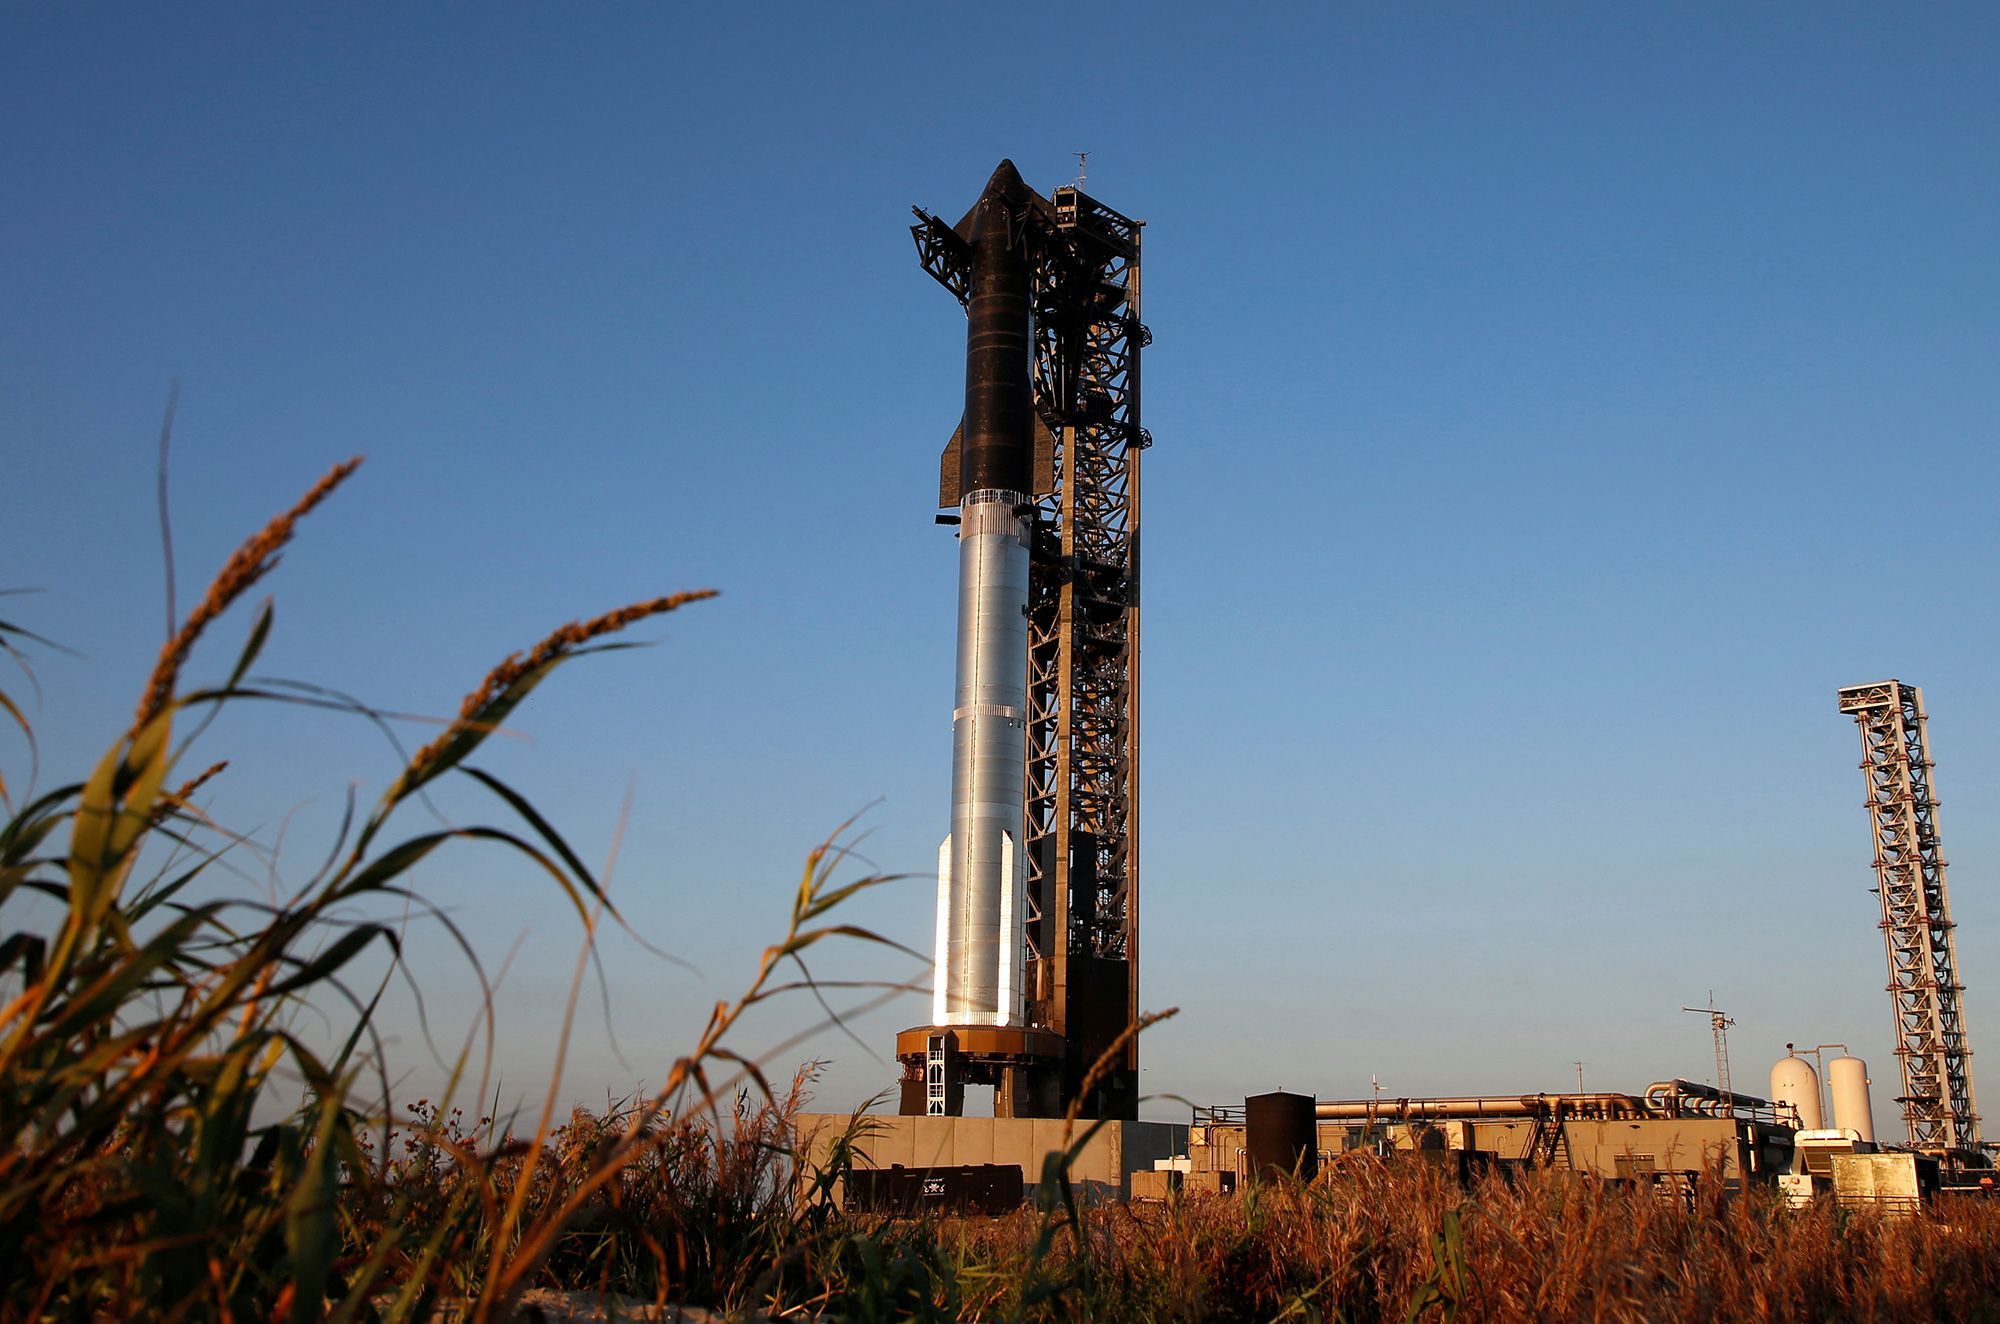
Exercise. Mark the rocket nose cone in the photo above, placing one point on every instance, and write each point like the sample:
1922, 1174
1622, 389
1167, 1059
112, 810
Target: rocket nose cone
1006, 180
1007, 188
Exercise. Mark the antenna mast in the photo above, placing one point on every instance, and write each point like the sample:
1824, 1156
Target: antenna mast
1719, 1022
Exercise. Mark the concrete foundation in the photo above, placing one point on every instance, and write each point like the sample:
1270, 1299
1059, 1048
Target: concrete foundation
1102, 1171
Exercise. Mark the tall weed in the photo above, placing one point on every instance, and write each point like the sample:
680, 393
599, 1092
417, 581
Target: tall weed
146, 1043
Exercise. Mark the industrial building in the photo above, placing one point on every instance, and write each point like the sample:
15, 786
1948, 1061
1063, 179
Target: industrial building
1676, 1134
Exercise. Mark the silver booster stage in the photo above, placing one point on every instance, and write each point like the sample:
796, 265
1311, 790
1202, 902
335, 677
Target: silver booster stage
981, 869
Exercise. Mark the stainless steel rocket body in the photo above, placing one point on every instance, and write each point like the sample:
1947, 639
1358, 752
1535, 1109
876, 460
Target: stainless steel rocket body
982, 867
982, 870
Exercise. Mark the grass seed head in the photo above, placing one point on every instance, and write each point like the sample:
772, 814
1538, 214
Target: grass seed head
250, 563
516, 666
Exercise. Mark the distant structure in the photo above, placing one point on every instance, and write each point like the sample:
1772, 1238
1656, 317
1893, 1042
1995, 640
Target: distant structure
1038, 884
1719, 1022
1917, 930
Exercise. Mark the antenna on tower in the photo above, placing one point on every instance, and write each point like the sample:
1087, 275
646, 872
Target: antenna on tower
1718, 1021
1082, 159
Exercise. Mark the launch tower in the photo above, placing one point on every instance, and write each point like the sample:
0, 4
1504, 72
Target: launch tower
1916, 918
1038, 897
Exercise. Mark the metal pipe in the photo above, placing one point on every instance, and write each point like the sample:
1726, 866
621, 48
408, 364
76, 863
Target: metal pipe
1475, 1106
1676, 1096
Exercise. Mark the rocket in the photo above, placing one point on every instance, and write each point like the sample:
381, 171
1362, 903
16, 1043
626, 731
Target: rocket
982, 867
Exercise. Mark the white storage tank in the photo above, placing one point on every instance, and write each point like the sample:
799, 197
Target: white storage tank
1847, 1081
1794, 1082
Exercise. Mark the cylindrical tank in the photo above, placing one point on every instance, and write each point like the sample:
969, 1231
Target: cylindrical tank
1794, 1082
1281, 1135
982, 868
1847, 1081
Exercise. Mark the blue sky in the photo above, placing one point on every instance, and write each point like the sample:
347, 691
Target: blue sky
1553, 406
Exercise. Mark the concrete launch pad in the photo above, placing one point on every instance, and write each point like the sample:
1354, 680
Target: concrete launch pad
1103, 1171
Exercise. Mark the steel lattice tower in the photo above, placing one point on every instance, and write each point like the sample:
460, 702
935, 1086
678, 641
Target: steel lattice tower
1083, 650
1917, 930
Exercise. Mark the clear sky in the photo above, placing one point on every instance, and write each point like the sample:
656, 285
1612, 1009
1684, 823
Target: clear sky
1553, 406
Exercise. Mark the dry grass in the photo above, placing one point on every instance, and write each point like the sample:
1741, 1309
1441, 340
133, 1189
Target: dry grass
1393, 1241
699, 1207
146, 1038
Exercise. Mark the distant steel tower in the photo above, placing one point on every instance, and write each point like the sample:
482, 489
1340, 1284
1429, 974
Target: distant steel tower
1064, 972
1719, 1022
1937, 1094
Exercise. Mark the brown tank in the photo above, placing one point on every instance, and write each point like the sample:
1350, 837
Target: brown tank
1281, 1136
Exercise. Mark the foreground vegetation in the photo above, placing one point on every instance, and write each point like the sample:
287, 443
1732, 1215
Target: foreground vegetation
1391, 1241
175, 1149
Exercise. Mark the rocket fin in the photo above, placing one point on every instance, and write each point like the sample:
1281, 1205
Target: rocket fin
1044, 469
1003, 1014
943, 930
948, 468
